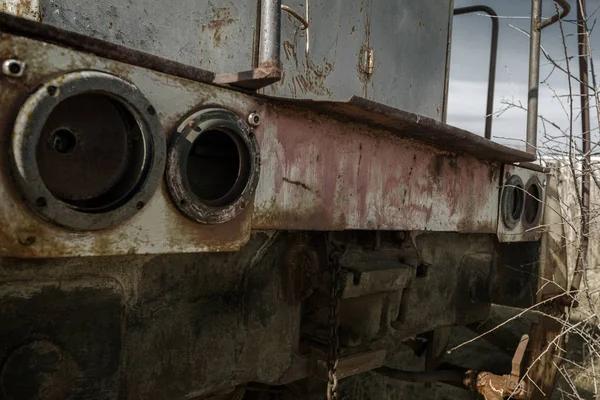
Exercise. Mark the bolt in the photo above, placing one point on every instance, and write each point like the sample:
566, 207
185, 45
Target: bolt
254, 119
13, 68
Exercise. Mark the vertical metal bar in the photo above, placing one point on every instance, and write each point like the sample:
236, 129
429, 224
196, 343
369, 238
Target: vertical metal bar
582, 47
448, 59
270, 33
492, 67
534, 76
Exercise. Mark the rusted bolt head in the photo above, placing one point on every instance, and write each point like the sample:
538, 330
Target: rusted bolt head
254, 119
14, 68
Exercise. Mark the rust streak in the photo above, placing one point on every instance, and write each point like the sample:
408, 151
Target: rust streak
221, 17
297, 183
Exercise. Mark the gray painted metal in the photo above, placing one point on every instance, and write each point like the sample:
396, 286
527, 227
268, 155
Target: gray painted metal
217, 35
407, 39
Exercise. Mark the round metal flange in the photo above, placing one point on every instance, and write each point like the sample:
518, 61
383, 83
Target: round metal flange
87, 150
512, 201
213, 166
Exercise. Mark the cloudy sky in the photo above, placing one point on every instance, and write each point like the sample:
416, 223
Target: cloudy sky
469, 69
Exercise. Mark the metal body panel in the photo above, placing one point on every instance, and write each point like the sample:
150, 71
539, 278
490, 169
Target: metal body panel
216, 35
316, 173
339, 37
323, 62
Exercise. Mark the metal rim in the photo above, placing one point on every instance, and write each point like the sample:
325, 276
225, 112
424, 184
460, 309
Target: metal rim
239, 196
28, 128
533, 198
512, 201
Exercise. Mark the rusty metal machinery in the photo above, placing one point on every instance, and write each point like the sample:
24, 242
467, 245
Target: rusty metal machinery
169, 232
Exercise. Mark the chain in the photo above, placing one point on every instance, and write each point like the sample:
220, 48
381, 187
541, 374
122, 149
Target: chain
334, 322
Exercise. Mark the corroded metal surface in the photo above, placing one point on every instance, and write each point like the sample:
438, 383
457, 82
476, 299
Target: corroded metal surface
158, 227
317, 172
29, 9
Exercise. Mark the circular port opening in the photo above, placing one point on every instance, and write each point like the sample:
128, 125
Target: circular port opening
533, 206
86, 152
512, 201
218, 167
91, 152
213, 166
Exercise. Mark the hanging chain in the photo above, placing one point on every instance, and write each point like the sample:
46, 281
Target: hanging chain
334, 322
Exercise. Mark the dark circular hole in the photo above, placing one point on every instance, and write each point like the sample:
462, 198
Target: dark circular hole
52, 90
218, 167
139, 205
64, 141
41, 202
513, 198
151, 110
256, 119
532, 204
14, 68
516, 205
91, 153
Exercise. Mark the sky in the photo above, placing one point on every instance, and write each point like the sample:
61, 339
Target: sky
469, 72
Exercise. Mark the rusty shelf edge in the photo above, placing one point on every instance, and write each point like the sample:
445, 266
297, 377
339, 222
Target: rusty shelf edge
414, 126
50, 34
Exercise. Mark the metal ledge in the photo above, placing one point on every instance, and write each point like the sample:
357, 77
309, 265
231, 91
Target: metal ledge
414, 126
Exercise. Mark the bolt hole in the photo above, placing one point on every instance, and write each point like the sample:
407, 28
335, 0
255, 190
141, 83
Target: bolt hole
256, 119
421, 271
183, 202
64, 141
41, 202
52, 91
151, 110
217, 167
14, 68
139, 205
28, 241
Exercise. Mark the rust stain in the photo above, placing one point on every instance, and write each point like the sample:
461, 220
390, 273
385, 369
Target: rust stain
314, 77
289, 50
23, 8
221, 17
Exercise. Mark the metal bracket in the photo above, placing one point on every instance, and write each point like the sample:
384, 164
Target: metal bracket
496, 387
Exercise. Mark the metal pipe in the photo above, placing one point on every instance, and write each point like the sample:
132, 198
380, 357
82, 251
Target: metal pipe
566, 8
534, 75
270, 33
534, 66
582, 47
295, 14
492, 67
